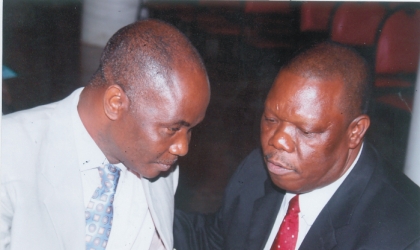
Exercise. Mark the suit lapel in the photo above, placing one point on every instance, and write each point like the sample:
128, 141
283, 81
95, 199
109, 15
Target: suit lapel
321, 235
160, 198
263, 216
339, 210
59, 180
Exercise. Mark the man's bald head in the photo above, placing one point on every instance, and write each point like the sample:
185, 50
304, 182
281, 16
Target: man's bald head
313, 124
329, 61
150, 90
143, 55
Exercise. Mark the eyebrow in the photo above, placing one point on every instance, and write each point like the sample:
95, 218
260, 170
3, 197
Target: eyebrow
184, 123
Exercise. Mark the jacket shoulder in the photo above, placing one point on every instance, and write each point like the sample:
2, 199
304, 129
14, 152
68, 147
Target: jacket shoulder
250, 170
16, 124
402, 186
388, 212
23, 134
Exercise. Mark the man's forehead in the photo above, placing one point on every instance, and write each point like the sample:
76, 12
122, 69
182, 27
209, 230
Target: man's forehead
304, 95
291, 81
170, 91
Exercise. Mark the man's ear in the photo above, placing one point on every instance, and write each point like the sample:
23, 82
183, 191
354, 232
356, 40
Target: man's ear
357, 130
115, 102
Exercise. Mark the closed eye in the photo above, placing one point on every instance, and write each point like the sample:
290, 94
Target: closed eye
269, 119
306, 133
175, 129
172, 130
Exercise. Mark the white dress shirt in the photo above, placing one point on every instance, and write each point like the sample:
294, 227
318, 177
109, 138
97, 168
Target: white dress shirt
310, 205
132, 217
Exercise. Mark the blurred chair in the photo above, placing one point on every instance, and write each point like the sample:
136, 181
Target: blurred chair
356, 24
267, 7
314, 21
219, 17
397, 58
218, 27
270, 25
315, 16
399, 43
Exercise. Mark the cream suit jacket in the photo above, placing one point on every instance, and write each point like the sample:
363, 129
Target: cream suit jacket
41, 190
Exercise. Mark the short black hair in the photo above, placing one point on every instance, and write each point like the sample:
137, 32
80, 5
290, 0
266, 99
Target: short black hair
329, 60
138, 52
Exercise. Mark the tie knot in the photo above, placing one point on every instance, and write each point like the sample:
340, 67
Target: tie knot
109, 176
294, 205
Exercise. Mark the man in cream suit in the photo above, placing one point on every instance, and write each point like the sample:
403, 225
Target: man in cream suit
136, 113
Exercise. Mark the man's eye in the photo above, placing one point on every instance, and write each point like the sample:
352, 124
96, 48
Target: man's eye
268, 119
174, 129
306, 133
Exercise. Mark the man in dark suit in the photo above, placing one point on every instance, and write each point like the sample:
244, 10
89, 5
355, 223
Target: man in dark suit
315, 183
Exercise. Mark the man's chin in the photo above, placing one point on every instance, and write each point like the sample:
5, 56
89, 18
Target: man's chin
144, 174
155, 173
287, 185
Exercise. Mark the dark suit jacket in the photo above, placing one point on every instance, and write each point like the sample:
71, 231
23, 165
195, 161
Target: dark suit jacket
374, 208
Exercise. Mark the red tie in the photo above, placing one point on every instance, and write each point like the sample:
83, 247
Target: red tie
288, 232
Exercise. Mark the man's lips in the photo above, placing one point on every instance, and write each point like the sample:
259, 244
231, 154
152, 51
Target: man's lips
278, 168
165, 165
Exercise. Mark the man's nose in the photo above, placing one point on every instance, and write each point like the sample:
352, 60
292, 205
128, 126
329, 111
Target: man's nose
282, 138
180, 146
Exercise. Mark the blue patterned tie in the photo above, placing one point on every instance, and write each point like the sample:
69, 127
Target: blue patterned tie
99, 211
